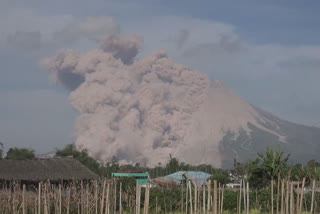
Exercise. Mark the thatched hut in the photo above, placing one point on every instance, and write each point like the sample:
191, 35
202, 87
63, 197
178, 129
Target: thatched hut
56, 170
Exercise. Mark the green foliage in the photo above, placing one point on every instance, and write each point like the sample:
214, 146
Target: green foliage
20, 153
273, 162
81, 156
221, 176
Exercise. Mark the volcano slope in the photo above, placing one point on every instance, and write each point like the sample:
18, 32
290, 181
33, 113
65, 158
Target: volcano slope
145, 109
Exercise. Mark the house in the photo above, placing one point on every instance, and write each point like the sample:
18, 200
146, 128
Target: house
56, 170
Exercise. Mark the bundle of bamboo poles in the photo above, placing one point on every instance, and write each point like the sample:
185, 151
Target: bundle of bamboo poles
108, 196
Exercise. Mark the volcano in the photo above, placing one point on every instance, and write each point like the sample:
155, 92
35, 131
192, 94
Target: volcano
147, 109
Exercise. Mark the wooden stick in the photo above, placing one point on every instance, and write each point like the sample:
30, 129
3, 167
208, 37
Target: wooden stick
195, 198
187, 188
244, 197
204, 198
287, 197
291, 198
138, 198
182, 199
240, 193
282, 195
23, 199
39, 198
278, 191
190, 191
248, 197
272, 195
68, 200
301, 198
221, 207
115, 197
102, 199
215, 197
146, 200
96, 197
107, 200
60, 200
219, 198
120, 201
297, 207
312, 195
209, 196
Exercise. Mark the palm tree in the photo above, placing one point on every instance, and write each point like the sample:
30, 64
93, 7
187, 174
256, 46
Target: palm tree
274, 162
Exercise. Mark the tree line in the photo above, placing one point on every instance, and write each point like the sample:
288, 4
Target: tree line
267, 166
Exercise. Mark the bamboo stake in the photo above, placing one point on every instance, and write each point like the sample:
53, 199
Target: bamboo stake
219, 198
282, 195
190, 191
137, 198
107, 200
312, 195
244, 197
39, 198
248, 197
278, 195
81, 197
297, 207
182, 199
23, 199
146, 200
301, 198
287, 197
204, 198
239, 205
157, 205
272, 195
209, 195
68, 200
187, 188
120, 201
102, 199
87, 198
215, 196
222, 200
115, 197
45, 199
195, 198
291, 198
60, 202
96, 197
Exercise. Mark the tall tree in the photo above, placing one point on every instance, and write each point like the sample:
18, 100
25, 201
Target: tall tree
274, 162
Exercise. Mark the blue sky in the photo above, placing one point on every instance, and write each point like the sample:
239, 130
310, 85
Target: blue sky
270, 55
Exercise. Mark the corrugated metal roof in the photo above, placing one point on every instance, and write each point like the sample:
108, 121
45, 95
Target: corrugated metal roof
193, 175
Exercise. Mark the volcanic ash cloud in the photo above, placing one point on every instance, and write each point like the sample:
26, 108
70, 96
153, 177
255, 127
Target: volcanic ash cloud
141, 110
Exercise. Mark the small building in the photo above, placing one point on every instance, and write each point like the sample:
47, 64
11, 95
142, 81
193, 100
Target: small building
56, 170
198, 178
141, 177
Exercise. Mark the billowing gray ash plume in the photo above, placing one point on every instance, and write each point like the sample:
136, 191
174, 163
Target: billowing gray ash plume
149, 108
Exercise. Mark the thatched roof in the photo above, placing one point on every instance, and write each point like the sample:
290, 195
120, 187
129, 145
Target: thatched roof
55, 169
